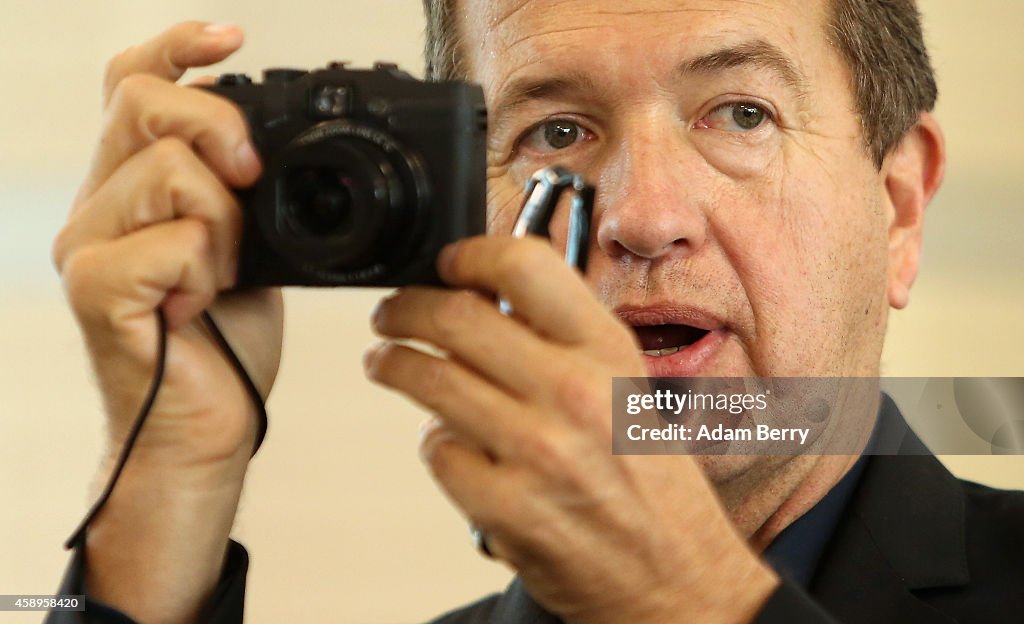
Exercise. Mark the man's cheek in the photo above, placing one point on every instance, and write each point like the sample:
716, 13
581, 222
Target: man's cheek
504, 199
753, 161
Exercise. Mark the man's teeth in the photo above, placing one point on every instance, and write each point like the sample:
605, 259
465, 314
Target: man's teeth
661, 352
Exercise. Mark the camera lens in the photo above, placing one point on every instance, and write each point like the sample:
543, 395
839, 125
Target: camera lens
320, 200
347, 199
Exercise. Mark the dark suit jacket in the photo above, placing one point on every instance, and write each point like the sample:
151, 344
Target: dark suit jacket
914, 545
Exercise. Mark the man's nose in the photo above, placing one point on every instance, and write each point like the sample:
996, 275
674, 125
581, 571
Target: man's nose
650, 205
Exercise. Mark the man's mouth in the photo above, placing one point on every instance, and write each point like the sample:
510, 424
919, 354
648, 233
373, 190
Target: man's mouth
676, 340
662, 340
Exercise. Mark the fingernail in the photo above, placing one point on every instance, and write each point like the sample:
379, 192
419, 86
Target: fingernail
247, 161
218, 29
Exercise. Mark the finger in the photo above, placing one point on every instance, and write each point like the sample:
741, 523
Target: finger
146, 109
544, 292
471, 479
164, 181
472, 330
506, 504
467, 403
125, 280
204, 80
169, 54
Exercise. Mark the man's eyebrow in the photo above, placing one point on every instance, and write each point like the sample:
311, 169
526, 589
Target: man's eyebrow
573, 84
529, 88
757, 53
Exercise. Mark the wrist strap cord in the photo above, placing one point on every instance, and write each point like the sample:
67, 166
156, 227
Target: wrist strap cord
78, 536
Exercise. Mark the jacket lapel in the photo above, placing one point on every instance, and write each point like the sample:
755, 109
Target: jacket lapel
903, 531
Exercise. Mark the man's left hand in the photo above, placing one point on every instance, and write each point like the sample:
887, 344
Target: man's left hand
522, 443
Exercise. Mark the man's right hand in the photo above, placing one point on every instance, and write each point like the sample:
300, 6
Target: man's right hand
155, 225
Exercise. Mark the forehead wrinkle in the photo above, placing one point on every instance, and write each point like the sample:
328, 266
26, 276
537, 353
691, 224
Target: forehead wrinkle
657, 11
554, 31
758, 53
495, 22
691, 9
531, 44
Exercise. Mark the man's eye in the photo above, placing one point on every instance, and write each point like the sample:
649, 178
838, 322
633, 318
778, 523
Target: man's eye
554, 135
736, 117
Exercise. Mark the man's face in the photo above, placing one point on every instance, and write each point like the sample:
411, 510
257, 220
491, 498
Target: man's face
738, 214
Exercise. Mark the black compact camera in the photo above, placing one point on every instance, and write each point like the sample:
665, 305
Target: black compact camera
367, 174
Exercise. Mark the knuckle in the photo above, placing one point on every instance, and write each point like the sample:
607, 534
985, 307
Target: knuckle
170, 155
61, 248
378, 361
434, 451
196, 236
130, 112
79, 274
436, 381
116, 69
171, 165
220, 130
184, 29
578, 396
543, 449
131, 91
222, 118
453, 314
499, 528
537, 249
522, 260
508, 264
193, 244
227, 116
559, 457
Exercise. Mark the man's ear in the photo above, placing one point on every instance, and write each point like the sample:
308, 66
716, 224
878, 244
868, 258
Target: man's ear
913, 173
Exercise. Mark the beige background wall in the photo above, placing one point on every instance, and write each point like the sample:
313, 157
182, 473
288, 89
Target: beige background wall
342, 522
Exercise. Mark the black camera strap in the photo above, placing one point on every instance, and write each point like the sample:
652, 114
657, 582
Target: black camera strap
78, 536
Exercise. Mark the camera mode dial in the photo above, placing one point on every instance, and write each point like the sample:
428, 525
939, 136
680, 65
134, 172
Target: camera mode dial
232, 80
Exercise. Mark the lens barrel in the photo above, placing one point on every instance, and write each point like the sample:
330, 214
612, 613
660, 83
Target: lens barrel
348, 197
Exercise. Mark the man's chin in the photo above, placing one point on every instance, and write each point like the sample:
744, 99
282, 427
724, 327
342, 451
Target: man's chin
722, 469
725, 471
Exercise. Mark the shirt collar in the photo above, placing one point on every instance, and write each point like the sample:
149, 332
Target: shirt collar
796, 551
